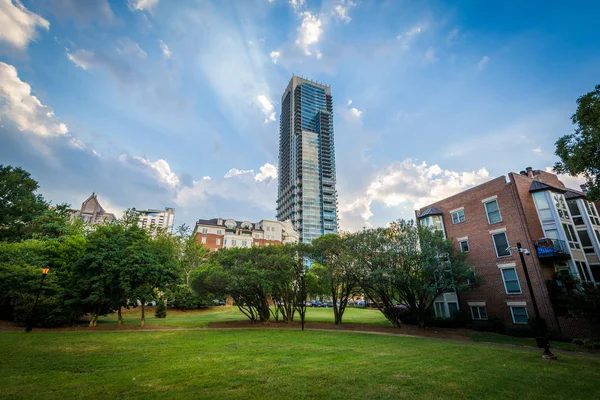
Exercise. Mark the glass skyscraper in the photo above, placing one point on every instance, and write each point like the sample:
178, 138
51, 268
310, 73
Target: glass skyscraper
306, 193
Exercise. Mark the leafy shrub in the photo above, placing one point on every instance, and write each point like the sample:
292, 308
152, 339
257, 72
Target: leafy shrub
183, 298
587, 343
161, 309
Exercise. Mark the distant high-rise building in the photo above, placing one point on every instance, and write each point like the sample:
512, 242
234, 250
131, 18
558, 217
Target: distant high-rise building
306, 193
157, 218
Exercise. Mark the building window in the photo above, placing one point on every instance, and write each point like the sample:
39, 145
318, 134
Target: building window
571, 238
586, 242
219, 232
224, 242
501, 244
203, 240
440, 309
591, 212
575, 212
582, 270
542, 205
493, 211
464, 245
478, 312
244, 243
519, 315
561, 205
511, 281
233, 242
597, 235
256, 236
268, 228
218, 242
458, 216
204, 230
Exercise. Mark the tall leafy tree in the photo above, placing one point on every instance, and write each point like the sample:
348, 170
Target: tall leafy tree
337, 270
19, 204
579, 151
410, 265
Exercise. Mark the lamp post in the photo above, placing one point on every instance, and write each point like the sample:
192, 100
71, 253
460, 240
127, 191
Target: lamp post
541, 339
29, 326
303, 294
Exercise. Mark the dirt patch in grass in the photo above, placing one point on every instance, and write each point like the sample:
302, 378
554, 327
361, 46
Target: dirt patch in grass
441, 333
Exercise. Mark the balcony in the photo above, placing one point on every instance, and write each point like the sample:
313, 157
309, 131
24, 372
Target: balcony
552, 248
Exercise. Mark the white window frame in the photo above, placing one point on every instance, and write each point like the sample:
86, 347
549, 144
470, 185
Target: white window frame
590, 209
507, 242
233, 242
205, 230
561, 206
460, 242
571, 236
504, 280
218, 241
458, 214
219, 232
590, 249
478, 318
486, 210
203, 240
581, 267
512, 313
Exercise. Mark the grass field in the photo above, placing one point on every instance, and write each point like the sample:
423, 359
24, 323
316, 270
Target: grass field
269, 364
201, 319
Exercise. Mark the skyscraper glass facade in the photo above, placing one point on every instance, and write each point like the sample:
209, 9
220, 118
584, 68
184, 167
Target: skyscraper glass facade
306, 193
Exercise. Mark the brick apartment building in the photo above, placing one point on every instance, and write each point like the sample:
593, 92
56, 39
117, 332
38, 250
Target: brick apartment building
218, 233
559, 227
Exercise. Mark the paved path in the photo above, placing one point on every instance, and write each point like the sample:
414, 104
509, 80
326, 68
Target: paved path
466, 342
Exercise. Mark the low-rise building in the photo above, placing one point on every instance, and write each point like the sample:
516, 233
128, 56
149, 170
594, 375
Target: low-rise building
218, 233
157, 218
559, 228
92, 212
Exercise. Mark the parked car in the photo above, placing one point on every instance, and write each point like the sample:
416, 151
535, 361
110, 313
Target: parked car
316, 303
308, 304
401, 307
329, 304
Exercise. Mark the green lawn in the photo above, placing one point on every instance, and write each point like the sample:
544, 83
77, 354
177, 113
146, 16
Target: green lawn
267, 364
519, 341
201, 319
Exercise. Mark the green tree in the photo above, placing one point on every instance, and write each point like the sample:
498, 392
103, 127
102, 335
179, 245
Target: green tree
161, 309
410, 265
336, 269
579, 151
19, 205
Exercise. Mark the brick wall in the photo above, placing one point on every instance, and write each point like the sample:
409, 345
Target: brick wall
482, 255
211, 240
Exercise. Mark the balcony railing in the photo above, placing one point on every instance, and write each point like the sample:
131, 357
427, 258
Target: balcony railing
547, 248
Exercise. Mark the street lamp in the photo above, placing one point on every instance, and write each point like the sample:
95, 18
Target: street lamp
29, 326
303, 294
541, 339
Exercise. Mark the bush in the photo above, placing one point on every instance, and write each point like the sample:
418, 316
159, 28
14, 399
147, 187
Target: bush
184, 298
161, 309
587, 343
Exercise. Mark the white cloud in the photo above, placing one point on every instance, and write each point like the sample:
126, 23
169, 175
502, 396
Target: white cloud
356, 112
142, 5
349, 102
165, 49
482, 63
274, 56
128, 46
429, 56
309, 32
84, 59
409, 36
537, 150
255, 193
161, 170
19, 105
341, 10
297, 4
406, 186
19, 25
267, 171
267, 108
235, 172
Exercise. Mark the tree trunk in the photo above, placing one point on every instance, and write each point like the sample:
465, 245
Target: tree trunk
143, 321
119, 317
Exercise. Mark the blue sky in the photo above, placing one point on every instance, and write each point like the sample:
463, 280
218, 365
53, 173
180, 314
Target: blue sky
156, 103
